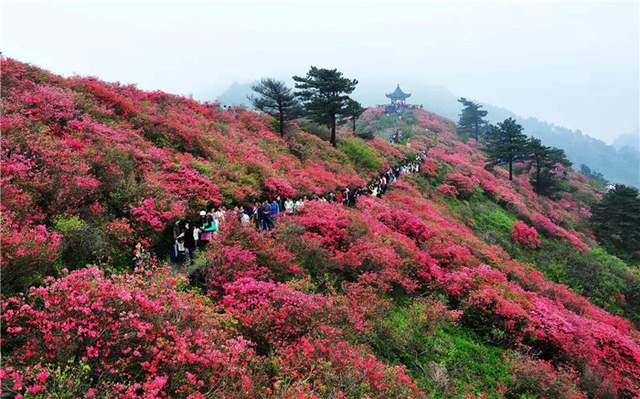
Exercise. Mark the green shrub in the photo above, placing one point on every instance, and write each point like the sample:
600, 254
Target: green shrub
83, 243
360, 153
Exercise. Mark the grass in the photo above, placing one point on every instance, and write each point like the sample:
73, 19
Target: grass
442, 359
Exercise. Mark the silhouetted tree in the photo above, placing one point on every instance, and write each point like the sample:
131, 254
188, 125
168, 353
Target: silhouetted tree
324, 94
543, 159
353, 109
276, 99
616, 221
472, 118
505, 145
593, 174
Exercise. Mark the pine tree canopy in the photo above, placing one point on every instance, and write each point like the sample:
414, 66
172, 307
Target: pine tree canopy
616, 221
324, 94
506, 143
276, 99
472, 120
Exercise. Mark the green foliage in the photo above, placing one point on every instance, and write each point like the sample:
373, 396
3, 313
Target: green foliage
276, 99
353, 110
441, 357
360, 153
69, 225
543, 160
203, 168
316, 129
324, 94
69, 381
85, 243
472, 122
506, 144
616, 222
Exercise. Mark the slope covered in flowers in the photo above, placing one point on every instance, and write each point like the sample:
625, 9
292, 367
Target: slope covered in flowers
456, 283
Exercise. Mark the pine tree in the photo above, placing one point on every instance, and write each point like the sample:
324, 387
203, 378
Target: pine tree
277, 100
616, 221
593, 175
472, 120
543, 159
324, 94
353, 109
505, 145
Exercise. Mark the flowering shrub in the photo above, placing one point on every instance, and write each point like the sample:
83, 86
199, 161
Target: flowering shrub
430, 167
28, 252
448, 189
228, 264
136, 333
462, 183
272, 313
525, 235
336, 369
277, 186
538, 377
151, 217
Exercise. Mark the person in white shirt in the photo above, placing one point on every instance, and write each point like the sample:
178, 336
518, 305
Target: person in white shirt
288, 205
245, 220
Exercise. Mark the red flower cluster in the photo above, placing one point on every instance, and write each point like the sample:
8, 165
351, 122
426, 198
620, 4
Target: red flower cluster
525, 235
137, 333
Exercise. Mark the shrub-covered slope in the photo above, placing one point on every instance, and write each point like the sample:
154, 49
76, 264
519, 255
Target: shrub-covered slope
456, 283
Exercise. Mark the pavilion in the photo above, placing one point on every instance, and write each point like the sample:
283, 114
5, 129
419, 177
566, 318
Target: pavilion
398, 98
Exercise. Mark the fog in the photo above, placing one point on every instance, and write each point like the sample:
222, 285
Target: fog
573, 63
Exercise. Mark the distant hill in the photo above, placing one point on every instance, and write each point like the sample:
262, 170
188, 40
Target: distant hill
236, 94
630, 140
616, 163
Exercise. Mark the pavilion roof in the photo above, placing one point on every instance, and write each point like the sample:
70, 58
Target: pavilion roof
398, 94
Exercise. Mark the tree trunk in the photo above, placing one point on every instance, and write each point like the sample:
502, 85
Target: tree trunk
510, 170
333, 130
281, 127
354, 124
476, 130
537, 177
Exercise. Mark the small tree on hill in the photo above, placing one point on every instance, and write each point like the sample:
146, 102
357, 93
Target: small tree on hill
616, 221
593, 175
276, 99
324, 94
353, 109
543, 159
472, 119
505, 145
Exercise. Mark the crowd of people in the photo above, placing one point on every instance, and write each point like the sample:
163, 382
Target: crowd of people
191, 235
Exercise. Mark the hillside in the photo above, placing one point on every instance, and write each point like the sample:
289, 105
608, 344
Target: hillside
456, 283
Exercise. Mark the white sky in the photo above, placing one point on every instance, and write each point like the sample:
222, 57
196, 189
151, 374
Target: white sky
574, 63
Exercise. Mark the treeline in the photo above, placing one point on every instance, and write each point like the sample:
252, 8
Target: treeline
505, 144
615, 219
322, 95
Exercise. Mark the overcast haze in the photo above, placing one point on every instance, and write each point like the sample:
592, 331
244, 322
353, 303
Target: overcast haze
571, 63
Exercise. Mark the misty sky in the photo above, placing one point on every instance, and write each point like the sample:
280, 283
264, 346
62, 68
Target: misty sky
573, 63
